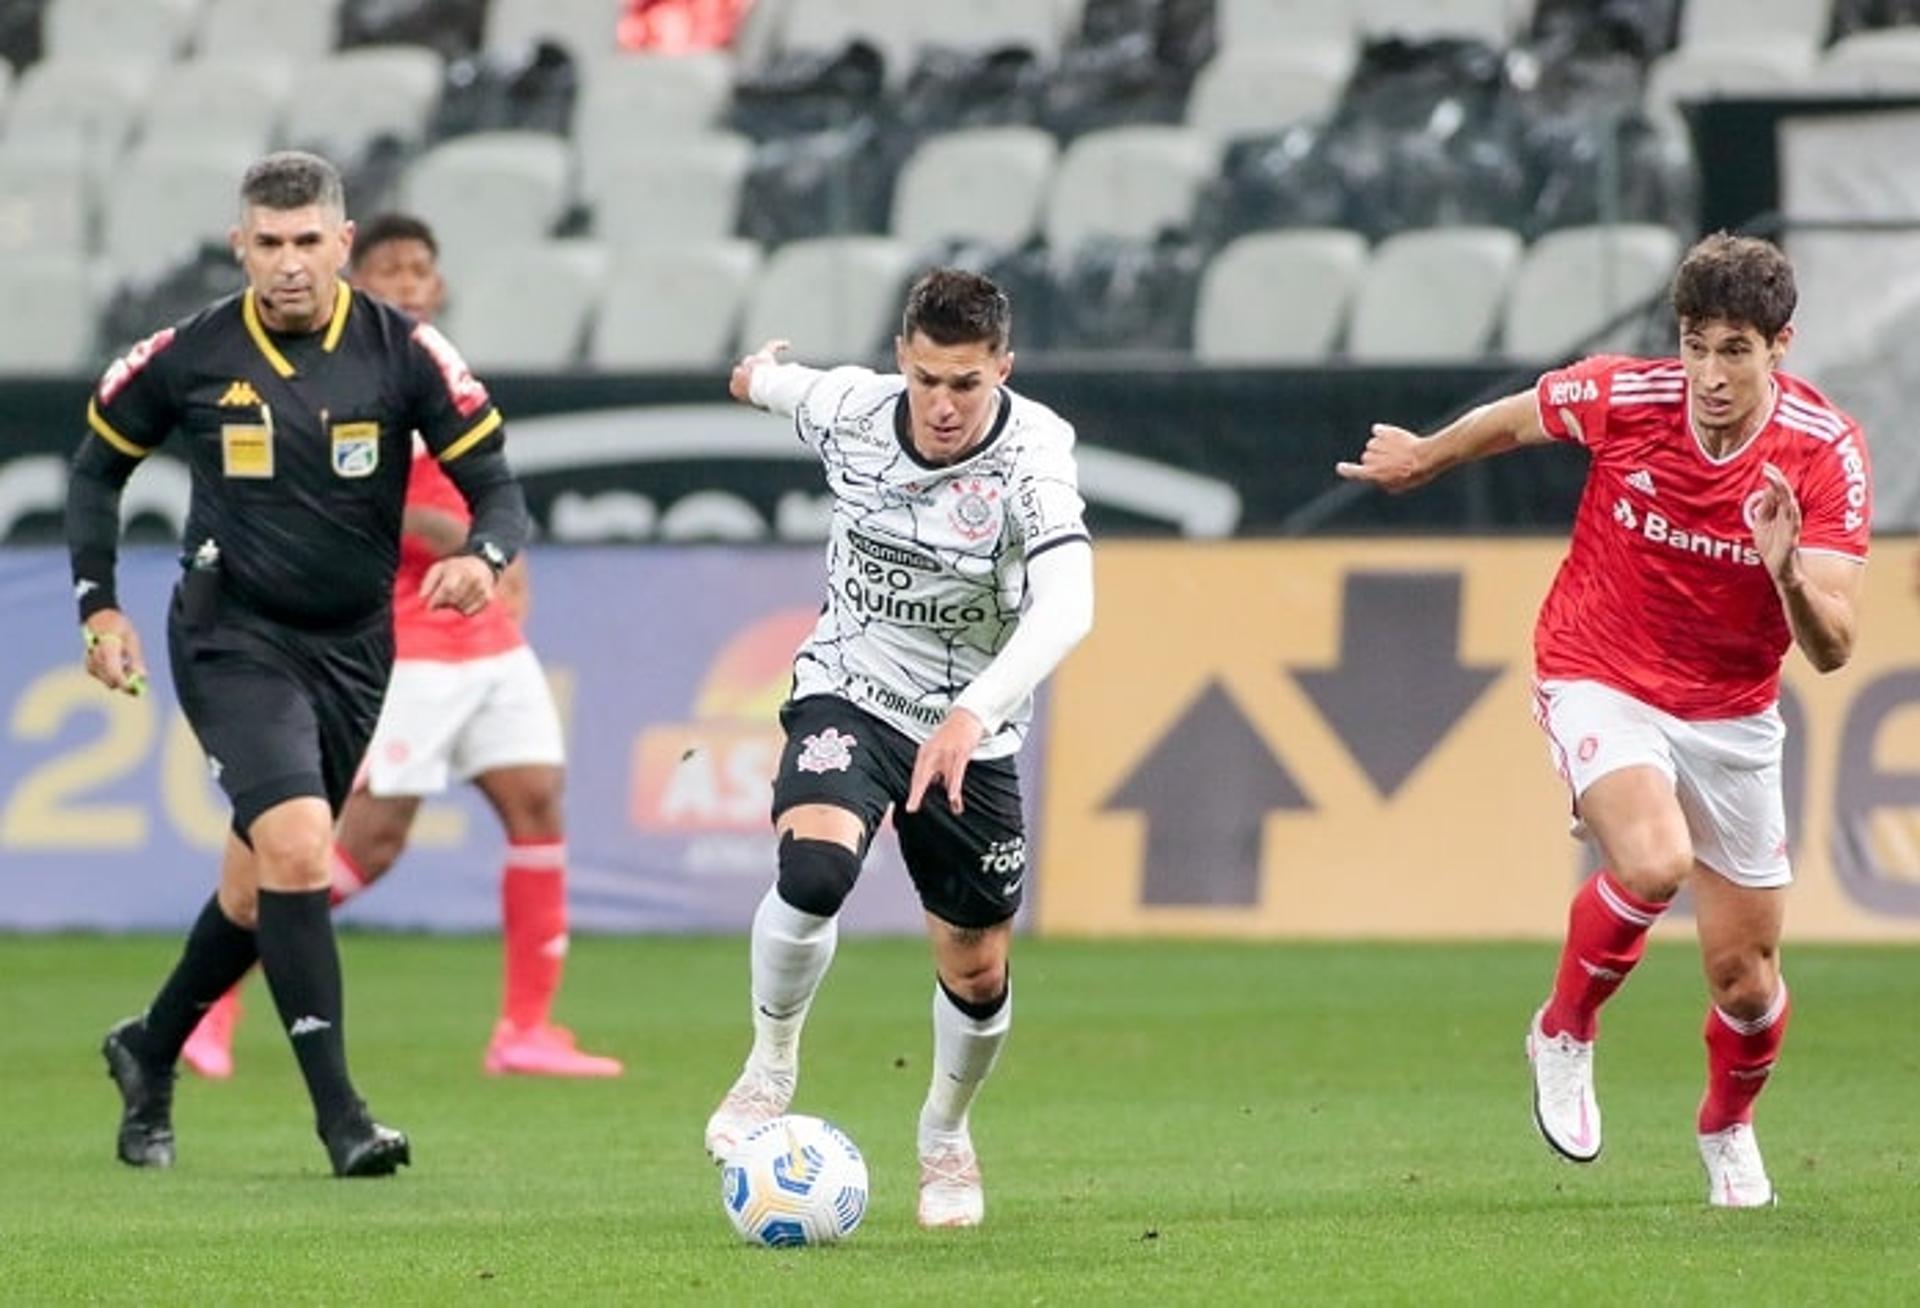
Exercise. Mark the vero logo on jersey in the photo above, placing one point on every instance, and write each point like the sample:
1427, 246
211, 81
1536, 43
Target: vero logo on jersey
240, 394
1574, 390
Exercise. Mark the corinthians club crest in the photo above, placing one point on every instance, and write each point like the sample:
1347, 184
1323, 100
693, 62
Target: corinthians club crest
972, 510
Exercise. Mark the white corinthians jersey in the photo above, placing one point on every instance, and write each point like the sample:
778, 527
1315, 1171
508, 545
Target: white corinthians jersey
926, 565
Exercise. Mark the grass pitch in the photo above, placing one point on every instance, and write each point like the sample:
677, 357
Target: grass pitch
1171, 1123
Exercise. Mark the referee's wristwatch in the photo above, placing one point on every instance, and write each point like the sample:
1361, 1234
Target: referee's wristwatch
491, 555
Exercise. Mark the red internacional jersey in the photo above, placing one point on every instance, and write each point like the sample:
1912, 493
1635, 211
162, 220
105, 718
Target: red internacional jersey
1662, 593
440, 635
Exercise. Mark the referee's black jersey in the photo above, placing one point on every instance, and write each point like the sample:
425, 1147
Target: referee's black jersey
299, 445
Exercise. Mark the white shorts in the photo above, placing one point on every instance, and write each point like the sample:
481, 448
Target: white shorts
1726, 772
462, 719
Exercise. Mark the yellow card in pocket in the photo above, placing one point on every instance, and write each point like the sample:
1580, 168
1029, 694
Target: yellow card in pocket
246, 451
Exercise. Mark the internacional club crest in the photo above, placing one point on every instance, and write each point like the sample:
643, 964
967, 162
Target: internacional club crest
972, 513
827, 752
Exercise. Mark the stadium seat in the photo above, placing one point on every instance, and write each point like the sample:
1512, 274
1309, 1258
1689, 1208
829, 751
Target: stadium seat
1885, 62
986, 186
342, 104
1798, 25
1257, 90
824, 27
1433, 296
585, 29
168, 199
526, 308
1278, 297
1133, 183
490, 189
1571, 282
837, 299
672, 190
642, 100
148, 31
1493, 21
46, 201
1036, 25
6, 90
1288, 24
238, 99
293, 30
673, 306
88, 106
52, 304
1703, 74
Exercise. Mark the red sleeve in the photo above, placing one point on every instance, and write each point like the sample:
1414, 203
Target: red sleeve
1836, 497
429, 487
1574, 400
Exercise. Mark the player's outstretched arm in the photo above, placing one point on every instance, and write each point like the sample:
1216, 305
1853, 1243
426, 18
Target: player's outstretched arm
1398, 460
762, 380
1820, 592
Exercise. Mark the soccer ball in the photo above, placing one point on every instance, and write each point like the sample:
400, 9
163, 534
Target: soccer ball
795, 1180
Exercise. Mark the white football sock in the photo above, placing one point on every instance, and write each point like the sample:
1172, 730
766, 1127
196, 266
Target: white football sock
964, 1050
791, 951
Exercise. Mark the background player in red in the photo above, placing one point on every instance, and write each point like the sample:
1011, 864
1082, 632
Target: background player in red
468, 697
1725, 516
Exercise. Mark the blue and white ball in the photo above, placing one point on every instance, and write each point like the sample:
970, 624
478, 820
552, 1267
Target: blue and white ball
795, 1181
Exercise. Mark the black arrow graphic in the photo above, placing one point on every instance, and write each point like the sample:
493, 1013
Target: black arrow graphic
1399, 686
1205, 789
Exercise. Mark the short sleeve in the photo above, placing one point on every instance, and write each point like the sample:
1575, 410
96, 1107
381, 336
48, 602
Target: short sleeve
1574, 401
825, 404
1836, 497
451, 408
1047, 508
132, 408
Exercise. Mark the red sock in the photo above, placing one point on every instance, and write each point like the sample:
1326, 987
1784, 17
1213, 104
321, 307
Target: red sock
346, 878
533, 904
1739, 1059
1606, 934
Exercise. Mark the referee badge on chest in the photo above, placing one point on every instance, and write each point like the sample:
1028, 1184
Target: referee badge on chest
246, 450
356, 448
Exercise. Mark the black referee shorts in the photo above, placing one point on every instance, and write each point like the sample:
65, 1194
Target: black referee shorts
281, 711
970, 868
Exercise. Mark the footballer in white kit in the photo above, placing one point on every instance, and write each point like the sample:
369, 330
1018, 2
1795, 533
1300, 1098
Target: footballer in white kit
959, 574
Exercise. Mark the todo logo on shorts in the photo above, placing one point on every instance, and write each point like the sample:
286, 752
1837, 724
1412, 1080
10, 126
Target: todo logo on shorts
827, 752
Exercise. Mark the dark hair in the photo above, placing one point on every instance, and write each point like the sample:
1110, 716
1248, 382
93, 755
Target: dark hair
293, 179
952, 307
1735, 279
383, 227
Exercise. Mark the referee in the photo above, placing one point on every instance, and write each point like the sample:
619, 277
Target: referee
297, 401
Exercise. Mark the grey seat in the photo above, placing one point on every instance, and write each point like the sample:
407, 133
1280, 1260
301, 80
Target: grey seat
1256, 90
53, 302
235, 99
1884, 62
149, 31
837, 299
587, 29
293, 30
167, 200
1800, 25
642, 100
85, 105
1278, 297
1433, 296
47, 201
1128, 183
1703, 74
674, 306
490, 189
342, 104
1571, 282
527, 308
1494, 22
987, 185
674, 190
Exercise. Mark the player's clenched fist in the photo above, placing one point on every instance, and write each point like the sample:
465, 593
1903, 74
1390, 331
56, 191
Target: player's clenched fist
1393, 460
740, 383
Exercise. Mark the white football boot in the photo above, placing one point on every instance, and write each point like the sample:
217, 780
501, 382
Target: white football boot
1736, 1178
759, 1096
950, 1191
1563, 1104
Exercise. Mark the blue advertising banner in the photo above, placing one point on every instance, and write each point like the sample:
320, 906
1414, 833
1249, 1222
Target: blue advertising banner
668, 663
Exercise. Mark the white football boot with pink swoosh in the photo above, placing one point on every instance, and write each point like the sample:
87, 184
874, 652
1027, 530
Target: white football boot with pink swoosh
1563, 1104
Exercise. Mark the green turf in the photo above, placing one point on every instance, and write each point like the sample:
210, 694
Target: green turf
1171, 1123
